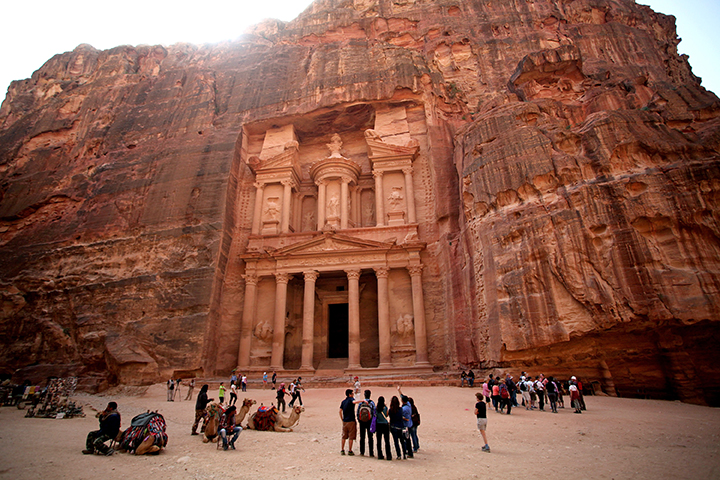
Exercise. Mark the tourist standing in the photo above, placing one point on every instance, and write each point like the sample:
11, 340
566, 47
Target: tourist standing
552, 389
396, 426
221, 393
274, 379
486, 391
170, 390
382, 429
481, 414
191, 387
407, 423
349, 428
471, 378
200, 404
177, 393
264, 380
365, 414
575, 395
243, 382
496, 395
540, 391
357, 386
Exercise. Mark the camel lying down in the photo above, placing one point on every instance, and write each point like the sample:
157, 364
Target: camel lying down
281, 423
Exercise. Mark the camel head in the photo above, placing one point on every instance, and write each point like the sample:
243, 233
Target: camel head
248, 402
298, 409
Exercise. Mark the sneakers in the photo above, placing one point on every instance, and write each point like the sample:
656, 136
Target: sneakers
194, 433
87, 452
486, 448
351, 453
342, 452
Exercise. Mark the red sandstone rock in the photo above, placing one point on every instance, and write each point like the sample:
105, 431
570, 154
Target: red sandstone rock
567, 191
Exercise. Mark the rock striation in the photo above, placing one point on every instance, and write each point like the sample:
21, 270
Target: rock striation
567, 189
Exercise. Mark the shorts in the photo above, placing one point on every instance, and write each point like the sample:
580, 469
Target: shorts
482, 424
349, 430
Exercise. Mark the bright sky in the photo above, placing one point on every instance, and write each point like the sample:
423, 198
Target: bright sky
31, 32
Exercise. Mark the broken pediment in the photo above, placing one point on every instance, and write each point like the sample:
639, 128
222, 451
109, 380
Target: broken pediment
378, 149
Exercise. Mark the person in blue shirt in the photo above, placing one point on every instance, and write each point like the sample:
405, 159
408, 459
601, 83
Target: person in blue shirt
347, 415
407, 423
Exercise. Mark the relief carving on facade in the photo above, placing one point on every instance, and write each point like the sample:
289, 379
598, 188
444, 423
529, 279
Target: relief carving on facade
263, 331
405, 329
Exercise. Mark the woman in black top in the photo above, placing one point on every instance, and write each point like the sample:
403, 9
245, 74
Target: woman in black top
396, 425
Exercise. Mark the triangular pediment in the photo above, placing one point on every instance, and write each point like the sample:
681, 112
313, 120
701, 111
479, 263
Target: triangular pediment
287, 158
332, 243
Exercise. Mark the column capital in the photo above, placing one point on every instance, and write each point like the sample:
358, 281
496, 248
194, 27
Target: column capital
377, 173
287, 183
322, 182
345, 179
259, 185
407, 170
415, 270
381, 272
311, 275
353, 274
250, 279
282, 277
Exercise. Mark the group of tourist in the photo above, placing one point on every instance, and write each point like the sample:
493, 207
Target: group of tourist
380, 421
173, 389
293, 391
535, 393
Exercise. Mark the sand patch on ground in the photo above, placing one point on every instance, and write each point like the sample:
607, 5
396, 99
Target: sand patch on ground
614, 439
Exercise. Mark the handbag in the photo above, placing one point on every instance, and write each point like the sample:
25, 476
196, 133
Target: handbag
373, 425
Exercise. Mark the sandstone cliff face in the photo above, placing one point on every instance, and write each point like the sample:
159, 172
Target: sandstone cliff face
570, 173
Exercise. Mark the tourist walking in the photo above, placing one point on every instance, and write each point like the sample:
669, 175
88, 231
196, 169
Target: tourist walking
233, 394
496, 396
382, 429
176, 393
407, 423
274, 379
264, 380
481, 414
280, 395
552, 389
296, 392
349, 428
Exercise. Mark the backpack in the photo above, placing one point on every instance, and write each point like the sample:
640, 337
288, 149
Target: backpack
365, 412
523, 387
504, 392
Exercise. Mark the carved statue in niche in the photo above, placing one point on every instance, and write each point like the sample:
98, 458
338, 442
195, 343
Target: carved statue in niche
263, 331
335, 145
333, 207
405, 327
308, 224
395, 199
368, 212
272, 210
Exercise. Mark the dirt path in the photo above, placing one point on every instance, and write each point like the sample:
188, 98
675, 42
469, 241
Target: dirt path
613, 439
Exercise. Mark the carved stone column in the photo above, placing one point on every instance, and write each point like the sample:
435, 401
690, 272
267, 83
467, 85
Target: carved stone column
287, 196
257, 215
379, 199
353, 318
344, 196
247, 320
421, 353
410, 194
383, 317
308, 320
278, 343
322, 190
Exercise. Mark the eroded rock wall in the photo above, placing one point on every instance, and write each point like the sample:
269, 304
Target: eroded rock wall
571, 181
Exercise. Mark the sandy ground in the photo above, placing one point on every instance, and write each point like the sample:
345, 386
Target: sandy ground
613, 439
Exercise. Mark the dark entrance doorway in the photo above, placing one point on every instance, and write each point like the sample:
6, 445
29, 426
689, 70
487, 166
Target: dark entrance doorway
338, 330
